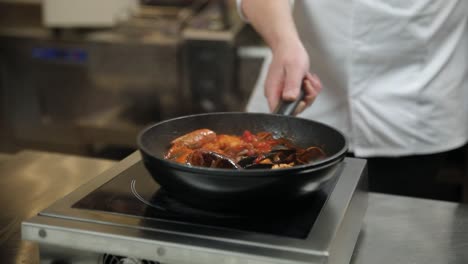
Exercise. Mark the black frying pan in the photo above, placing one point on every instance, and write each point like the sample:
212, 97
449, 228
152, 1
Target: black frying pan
235, 190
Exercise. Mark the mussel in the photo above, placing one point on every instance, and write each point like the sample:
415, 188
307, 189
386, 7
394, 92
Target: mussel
268, 160
309, 154
210, 159
282, 158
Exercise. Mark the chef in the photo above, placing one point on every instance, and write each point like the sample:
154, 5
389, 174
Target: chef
393, 78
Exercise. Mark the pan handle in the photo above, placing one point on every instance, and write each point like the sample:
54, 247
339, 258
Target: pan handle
288, 107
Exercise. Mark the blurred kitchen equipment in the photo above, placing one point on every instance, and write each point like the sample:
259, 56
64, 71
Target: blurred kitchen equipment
82, 90
87, 13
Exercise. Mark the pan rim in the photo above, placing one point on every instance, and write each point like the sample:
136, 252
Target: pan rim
212, 171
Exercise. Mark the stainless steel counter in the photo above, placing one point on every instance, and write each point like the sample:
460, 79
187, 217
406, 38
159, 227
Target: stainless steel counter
402, 230
396, 229
29, 182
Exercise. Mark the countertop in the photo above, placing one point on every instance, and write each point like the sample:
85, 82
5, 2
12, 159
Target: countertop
402, 230
29, 182
397, 230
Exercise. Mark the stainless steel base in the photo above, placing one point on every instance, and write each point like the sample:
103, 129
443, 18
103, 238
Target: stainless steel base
74, 235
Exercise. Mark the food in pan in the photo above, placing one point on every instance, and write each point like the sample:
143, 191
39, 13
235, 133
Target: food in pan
205, 148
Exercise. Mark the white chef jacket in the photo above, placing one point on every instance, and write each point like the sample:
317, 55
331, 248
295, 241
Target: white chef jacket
394, 72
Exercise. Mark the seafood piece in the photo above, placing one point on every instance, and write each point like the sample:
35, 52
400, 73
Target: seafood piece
225, 144
178, 153
210, 159
282, 166
310, 154
196, 138
247, 161
278, 156
184, 145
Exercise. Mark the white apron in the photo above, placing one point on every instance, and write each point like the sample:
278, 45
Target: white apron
394, 72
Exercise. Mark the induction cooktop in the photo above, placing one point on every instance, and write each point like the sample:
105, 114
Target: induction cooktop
124, 212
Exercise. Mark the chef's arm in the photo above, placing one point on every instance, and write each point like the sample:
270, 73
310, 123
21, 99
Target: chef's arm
273, 20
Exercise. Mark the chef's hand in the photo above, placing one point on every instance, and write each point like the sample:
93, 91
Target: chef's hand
288, 69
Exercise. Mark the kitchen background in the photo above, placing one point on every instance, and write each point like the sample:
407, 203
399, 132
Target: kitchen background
83, 77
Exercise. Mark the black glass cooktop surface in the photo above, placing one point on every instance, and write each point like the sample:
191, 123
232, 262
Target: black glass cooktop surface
133, 192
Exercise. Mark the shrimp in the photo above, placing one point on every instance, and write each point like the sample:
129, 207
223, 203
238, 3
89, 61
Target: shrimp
184, 145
